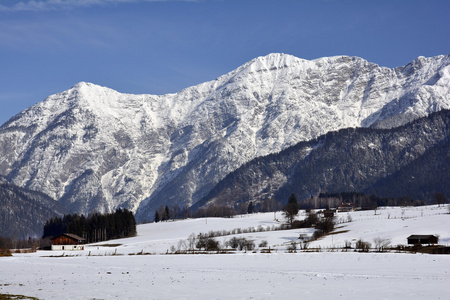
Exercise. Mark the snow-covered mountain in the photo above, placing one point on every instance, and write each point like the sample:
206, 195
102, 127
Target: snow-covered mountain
410, 160
91, 147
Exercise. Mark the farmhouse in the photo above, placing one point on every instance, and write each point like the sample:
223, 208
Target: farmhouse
346, 207
68, 241
422, 239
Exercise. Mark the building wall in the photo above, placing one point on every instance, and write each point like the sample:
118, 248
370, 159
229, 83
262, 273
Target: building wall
67, 247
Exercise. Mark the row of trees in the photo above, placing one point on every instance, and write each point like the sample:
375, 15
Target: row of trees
327, 200
167, 212
207, 242
290, 210
33, 244
95, 227
322, 225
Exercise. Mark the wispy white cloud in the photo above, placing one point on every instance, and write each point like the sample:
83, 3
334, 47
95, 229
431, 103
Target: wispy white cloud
47, 5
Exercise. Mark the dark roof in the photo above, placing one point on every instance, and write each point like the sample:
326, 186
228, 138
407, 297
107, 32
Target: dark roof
418, 236
71, 235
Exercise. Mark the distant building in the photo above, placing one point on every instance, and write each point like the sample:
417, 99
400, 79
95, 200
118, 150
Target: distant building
416, 239
328, 213
68, 241
346, 207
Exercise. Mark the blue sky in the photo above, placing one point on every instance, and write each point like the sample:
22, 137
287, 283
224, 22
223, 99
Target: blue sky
157, 47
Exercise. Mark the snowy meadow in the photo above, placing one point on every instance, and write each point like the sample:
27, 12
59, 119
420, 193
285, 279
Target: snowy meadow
144, 267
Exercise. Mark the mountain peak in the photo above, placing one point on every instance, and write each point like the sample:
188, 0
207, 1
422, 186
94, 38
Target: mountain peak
272, 61
83, 86
120, 150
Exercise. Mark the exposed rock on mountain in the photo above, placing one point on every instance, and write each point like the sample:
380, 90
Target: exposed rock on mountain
411, 160
92, 148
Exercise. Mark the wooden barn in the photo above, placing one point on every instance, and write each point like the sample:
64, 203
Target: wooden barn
68, 241
329, 213
417, 239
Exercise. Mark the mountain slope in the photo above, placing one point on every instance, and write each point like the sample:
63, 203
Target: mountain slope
411, 160
421, 178
92, 148
23, 212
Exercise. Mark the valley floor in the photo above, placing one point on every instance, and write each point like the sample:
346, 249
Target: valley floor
115, 270
230, 276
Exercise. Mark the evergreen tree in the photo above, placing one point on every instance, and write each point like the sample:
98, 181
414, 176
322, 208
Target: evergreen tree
250, 208
166, 213
290, 210
157, 219
439, 198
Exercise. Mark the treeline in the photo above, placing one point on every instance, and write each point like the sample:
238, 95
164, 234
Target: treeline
32, 244
364, 201
319, 201
167, 212
94, 228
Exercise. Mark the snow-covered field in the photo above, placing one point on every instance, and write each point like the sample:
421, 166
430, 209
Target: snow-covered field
329, 274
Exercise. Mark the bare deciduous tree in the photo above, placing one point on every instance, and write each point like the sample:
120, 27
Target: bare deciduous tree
191, 241
362, 245
381, 243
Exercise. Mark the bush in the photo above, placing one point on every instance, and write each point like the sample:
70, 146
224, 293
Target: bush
5, 252
362, 245
249, 245
381, 243
317, 234
326, 225
311, 220
233, 243
347, 244
209, 244
292, 247
304, 241
263, 244
241, 244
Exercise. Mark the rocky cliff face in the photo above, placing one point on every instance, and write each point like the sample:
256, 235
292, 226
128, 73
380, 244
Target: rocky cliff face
93, 148
410, 160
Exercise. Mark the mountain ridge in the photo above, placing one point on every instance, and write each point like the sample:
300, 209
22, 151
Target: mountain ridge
93, 148
384, 162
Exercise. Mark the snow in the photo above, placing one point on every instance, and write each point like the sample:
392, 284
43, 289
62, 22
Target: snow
328, 274
262, 107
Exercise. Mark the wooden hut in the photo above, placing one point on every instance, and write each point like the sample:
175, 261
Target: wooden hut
416, 239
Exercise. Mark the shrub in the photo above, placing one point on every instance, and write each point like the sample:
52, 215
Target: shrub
233, 242
292, 247
212, 245
311, 220
381, 243
249, 245
347, 244
326, 225
362, 245
240, 243
209, 244
317, 234
5, 252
